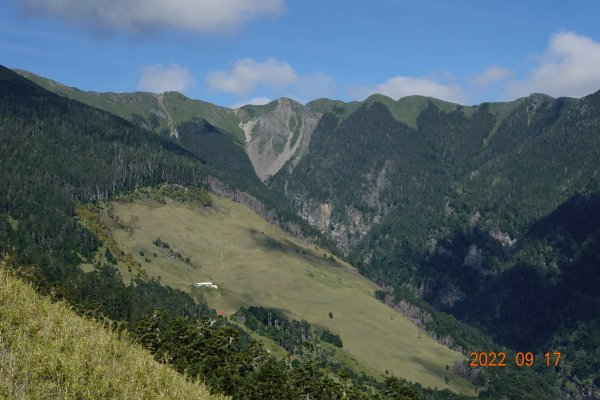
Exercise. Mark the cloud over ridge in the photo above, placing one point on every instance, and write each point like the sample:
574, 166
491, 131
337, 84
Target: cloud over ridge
246, 75
570, 66
160, 79
401, 86
491, 74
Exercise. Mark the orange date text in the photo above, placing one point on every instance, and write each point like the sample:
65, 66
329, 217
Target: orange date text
520, 359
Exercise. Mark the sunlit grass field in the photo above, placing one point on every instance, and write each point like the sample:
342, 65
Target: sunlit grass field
255, 263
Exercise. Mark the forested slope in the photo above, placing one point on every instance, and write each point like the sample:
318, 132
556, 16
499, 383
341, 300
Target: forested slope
445, 210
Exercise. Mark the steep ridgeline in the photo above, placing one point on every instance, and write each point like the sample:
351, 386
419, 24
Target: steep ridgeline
276, 133
160, 113
210, 132
255, 140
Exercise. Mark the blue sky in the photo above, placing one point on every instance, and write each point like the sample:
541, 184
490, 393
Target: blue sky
232, 52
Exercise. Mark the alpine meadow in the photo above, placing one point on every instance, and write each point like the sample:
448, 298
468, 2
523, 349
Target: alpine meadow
409, 225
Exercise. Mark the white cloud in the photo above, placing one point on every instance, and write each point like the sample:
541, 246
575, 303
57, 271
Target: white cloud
142, 16
570, 66
315, 86
402, 86
491, 74
257, 101
247, 74
160, 79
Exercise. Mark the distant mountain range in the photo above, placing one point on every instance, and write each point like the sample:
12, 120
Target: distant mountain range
486, 212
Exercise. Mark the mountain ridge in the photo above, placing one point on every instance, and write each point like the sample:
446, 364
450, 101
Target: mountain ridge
268, 149
435, 206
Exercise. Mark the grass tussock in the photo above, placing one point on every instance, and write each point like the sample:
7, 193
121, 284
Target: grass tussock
49, 352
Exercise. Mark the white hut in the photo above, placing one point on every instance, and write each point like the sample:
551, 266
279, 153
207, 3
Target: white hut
209, 285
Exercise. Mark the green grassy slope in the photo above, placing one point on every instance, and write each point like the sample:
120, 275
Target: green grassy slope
48, 352
122, 105
148, 110
406, 110
253, 111
184, 109
255, 263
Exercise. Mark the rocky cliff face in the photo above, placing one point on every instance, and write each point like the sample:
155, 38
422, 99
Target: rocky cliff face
279, 132
347, 224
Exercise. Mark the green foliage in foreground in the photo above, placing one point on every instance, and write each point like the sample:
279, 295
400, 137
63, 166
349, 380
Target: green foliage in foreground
224, 358
230, 362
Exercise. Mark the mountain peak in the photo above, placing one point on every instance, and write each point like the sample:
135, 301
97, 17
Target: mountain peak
283, 100
540, 97
378, 97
